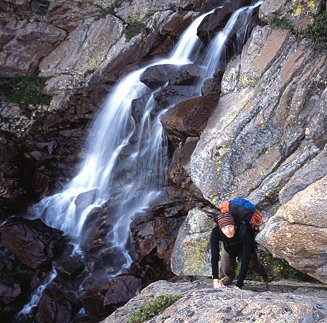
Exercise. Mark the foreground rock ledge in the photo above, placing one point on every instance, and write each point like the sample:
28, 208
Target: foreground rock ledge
201, 303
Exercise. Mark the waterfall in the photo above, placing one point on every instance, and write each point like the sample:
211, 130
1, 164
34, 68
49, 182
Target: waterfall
215, 59
36, 296
143, 165
111, 132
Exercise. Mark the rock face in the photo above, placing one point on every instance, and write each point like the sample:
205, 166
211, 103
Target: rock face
302, 216
201, 303
41, 243
266, 141
258, 131
190, 255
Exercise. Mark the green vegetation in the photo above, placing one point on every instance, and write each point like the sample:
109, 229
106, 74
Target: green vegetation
25, 90
153, 307
194, 254
263, 151
317, 31
42, 7
277, 269
134, 28
278, 22
248, 166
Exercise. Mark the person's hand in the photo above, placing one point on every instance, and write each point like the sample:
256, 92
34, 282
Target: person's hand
217, 284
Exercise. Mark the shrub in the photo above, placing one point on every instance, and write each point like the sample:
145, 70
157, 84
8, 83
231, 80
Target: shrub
277, 269
134, 28
279, 22
317, 31
25, 90
153, 307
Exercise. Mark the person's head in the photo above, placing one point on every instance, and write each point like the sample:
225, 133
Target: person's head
227, 224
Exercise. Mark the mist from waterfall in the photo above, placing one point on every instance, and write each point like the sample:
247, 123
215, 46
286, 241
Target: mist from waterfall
135, 173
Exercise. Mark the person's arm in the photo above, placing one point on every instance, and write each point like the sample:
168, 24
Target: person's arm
248, 247
214, 241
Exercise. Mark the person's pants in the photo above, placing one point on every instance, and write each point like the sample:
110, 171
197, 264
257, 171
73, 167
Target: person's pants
228, 264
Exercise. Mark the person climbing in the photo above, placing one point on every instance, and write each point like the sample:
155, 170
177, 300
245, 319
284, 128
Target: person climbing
238, 241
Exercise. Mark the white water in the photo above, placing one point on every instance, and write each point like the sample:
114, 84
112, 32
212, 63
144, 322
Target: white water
217, 47
145, 166
36, 295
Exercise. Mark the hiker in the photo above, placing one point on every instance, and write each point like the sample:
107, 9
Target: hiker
238, 241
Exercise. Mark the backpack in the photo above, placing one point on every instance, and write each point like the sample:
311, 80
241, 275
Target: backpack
242, 211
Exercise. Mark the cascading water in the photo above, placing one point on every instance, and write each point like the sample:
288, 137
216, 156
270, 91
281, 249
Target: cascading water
216, 57
111, 132
145, 165
36, 296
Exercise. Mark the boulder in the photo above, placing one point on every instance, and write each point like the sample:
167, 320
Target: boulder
57, 304
173, 94
190, 256
102, 295
158, 75
154, 234
16, 283
41, 243
199, 302
298, 231
188, 118
33, 41
217, 20
305, 176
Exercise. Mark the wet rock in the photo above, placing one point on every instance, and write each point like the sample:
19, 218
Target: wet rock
57, 304
217, 20
41, 243
158, 75
85, 199
188, 118
154, 233
69, 265
173, 94
178, 167
103, 295
16, 283
212, 86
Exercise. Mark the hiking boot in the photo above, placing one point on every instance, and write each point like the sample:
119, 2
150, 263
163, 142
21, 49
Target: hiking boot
227, 280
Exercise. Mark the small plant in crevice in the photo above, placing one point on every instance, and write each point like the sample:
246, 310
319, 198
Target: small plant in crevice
153, 307
134, 28
24, 90
277, 269
40, 7
279, 22
317, 31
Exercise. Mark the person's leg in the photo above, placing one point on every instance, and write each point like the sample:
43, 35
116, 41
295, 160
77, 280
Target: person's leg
228, 266
258, 267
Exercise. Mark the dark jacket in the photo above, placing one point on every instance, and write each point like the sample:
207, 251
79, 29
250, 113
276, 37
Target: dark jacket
241, 246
